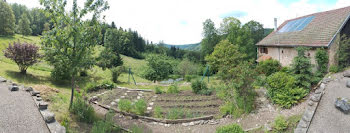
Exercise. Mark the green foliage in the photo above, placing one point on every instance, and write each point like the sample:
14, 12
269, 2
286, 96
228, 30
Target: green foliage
140, 107
282, 89
158, 112
199, 87
175, 113
210, 37
322, 60
158, 90
219, 59
188, 78
233, 128
268, 67
173, 89
343, 52
109, 59
91, 87
125, 105
7, 23
280, 124
106, 126
302, 69
116, 71
25, 55
24, 25
83, 111
158, 68
186, 67
334, 69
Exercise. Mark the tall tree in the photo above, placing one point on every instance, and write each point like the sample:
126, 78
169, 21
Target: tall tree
24, 25
7, 23
210, 38
70, 42
113, 25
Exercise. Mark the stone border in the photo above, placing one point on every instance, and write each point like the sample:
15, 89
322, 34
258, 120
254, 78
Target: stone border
312, 103
47, 116
151, 119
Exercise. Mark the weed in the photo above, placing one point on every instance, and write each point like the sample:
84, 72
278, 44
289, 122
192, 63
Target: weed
125, 105
158, 90
175, 113
83, 111
233, 128
158, 112
280, 124
140, 107
173, 89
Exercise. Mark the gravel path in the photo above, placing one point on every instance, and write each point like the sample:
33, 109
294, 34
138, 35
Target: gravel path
327, 118
18, 113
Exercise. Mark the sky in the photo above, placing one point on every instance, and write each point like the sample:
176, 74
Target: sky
180, 21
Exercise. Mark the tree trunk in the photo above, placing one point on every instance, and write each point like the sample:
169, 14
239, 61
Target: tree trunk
72, 95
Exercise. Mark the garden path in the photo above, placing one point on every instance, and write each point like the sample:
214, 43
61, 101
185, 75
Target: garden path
18, 113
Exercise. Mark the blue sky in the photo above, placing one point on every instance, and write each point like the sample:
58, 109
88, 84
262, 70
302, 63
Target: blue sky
180, 21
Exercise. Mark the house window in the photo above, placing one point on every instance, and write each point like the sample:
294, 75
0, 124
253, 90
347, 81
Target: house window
264, 50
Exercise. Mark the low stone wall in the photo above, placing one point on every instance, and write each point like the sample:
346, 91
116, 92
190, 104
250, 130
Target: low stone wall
312, 102
48, 117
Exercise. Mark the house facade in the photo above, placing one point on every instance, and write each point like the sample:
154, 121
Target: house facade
318, 30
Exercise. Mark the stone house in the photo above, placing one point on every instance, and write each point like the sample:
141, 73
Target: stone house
318, 30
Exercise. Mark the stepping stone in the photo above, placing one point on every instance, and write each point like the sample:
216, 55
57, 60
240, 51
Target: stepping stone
43, 105
29, 89
34, 93
13, 88
49, 117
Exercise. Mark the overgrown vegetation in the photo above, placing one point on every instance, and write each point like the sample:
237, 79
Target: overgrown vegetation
125, 105
280, 124
116, 71
175, 113
158, 90
200, 87
343, 52
105, 126
173, 89
232, 128
268, 67
140, 107
82, 110
24, 54
91, 87
158, 112
283, 90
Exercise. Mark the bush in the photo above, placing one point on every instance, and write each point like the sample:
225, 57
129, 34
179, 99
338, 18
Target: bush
158, 112
280, 124
24, 55
91, 87
302, 69
173, 89
322, 60
106, 126
140, 107
282, 89
175, 113
158, 68
83, 111
198, 87
231, 108
268, 67
158, 90
116, 71
233, 128
188, 78
334, 69
125, 105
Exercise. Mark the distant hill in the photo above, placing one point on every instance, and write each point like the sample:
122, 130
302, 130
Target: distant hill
191, 47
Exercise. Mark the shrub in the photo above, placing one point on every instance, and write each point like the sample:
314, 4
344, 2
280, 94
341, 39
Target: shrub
140, 107
233, 128
116, 71
343, 52
322, 61
334, 69
83, 111
173, 89
231, 108
282, 89
302, 69
24, 55
158, 68
280, 124
268, 67
91, 87
198, 86
106, 126
158, 112
158, 90
175, 113
285, 69
188, 78
125, 105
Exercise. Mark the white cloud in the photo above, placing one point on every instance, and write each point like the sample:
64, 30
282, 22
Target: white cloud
180, 21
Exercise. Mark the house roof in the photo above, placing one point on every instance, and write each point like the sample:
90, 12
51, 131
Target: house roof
318, 33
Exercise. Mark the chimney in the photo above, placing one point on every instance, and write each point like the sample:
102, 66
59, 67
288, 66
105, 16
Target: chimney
275, 24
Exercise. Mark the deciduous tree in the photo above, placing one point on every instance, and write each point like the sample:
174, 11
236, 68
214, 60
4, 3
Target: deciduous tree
7, 23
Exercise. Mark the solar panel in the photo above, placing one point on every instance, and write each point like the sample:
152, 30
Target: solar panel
296, 25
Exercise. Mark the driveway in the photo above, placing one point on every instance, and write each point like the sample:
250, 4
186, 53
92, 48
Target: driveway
18, 113
327, 118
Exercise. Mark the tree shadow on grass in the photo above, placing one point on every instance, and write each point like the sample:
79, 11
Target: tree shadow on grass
26, 78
